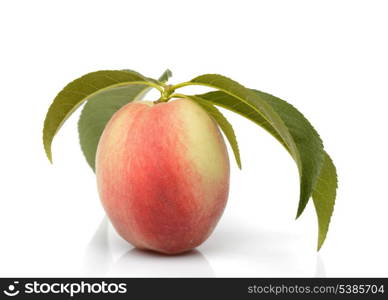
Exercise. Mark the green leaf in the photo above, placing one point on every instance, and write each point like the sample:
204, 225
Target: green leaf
162, 79
99, 109
97, 112
246, 96
307, 141
165, 76
231, 103
289, 125
76, 92
324, 197
224, 124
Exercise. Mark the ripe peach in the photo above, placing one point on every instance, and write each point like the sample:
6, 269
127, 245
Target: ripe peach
163, 174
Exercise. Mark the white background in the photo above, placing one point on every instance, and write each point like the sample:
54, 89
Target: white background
328, 58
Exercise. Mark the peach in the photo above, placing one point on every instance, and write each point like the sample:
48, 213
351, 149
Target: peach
163, 174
